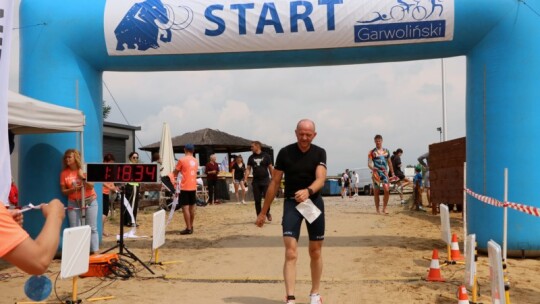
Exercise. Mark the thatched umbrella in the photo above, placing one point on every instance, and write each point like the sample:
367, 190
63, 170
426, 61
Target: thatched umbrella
208, 141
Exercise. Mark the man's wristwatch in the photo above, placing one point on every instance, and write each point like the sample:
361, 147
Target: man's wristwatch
310, 191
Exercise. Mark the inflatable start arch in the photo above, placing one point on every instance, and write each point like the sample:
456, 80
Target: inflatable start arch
62, 60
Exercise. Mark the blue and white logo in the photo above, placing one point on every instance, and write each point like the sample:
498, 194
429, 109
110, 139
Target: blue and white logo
146, 22
419, 19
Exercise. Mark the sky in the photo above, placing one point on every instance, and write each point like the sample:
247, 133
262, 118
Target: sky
349, 104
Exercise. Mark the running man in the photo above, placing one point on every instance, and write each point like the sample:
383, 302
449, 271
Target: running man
378, 162
304, 165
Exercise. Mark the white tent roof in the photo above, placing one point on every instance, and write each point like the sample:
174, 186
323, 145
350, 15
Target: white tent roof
30, 116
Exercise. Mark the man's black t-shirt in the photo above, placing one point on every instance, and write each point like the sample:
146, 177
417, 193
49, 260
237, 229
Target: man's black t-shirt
298, 167
259, 164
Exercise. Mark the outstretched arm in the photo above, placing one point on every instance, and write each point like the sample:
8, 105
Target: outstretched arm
34, 256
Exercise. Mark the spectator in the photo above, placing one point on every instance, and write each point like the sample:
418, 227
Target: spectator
109, 191
417, 189
212, 169
238, 173
379, 163
13, 194
261, 164
156, 159
403, 181
187, 166
345, 183
72, 183
356, 182
232, 162
424, 161
131, 192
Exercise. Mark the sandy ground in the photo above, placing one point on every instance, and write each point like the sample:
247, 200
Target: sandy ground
368, 258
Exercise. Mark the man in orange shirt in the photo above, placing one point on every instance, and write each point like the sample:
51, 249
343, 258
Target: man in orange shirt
16, 246
188, 166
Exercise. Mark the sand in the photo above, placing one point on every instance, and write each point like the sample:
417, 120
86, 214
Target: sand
368, 258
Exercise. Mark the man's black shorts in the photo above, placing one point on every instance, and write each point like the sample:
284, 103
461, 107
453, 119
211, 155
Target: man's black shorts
187, 198
292, 220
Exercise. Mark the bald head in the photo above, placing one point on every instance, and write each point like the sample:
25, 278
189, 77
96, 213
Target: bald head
305, 124
305, 133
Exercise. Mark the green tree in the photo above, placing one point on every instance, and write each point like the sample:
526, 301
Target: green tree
106, 110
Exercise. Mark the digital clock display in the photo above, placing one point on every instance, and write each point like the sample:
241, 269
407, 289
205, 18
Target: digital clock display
122, 173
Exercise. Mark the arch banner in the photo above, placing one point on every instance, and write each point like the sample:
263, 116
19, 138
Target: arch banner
154, 27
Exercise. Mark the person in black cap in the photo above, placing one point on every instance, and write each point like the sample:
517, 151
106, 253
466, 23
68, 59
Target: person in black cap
187, 166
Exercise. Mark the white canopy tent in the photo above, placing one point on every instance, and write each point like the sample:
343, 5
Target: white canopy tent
30, 116
27, 115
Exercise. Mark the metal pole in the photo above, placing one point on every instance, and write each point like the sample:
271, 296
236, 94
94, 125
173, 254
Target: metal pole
81, 150
505, 216
443, 101
464, 200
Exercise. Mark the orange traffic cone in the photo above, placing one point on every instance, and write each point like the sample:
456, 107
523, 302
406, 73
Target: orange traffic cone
455, 255
434, 274
463, 297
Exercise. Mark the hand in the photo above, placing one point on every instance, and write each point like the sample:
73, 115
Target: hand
301, 195
53, 208
261, 219
81, 174
17, 216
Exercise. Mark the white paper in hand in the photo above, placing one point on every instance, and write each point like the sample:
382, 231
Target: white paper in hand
308, 210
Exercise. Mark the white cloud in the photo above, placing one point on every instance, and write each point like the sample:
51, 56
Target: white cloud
350, 104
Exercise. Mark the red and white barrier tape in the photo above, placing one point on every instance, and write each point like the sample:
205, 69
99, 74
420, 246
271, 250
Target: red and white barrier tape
524, 208
494, 202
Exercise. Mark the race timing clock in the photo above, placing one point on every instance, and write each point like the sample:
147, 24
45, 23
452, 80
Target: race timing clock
122, 173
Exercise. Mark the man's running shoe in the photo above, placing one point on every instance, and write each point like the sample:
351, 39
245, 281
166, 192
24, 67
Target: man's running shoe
315, 299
